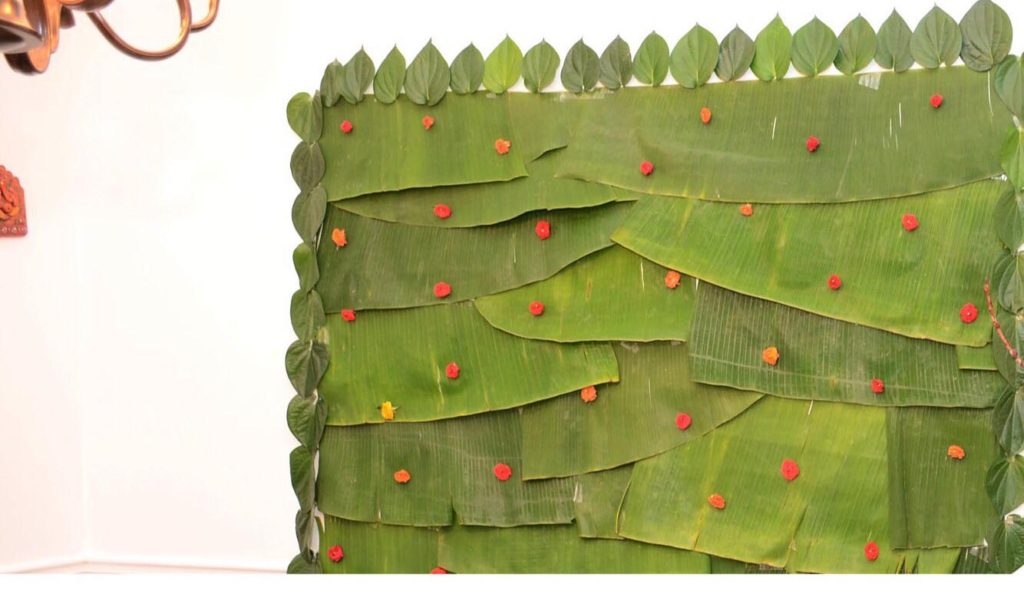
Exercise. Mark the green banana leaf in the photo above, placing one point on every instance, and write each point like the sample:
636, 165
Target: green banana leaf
457, 149
825, 359
975, 359
401, 357
613, 294
630, 420
542, 121
450, 463
489, 203
910, 283
754, 149
935, 500
597, 499
378, 549
389, 266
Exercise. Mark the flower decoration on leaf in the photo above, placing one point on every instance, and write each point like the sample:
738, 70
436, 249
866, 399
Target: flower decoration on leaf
536, 308
834, 282
442, 289
387, 411
877, 386
936, 101
909, 222
705, 115
348, 315
442, 211
955, 452
813, 143
646, 168
542, 229
451, 371
502, 471
339, 238
588, 394
746, 210
346, 126
871, 551
672, 279
683, 421
439, 570
335, 553
428, 122
790, 469
770, 355
717, 501
502, 146
968, 313
402, 476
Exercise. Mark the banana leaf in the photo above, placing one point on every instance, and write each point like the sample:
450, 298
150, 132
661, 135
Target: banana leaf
975, 359
542, 121
630, 420
386, 265
825, 359
613, 294
401, 357
874, 129
457, 149
597, 499
935, 500
450, 463
378, 549
488, 203
910, 283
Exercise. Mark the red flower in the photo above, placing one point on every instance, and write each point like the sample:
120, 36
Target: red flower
717, 501
936, 101
502, 146
537, 308
428, 121
442, 211
502, 471
790, 469
968, 313
646, 168
588, 394
338, 236
442, 289
747, 210
335, 553
813, 143
346, 127
871, 551
683, 421
672, 279
909, 222
439, 570
956, 452
348, 314
877, 386
402, 476
705, 115
770, 355
834, 282
451, 371
542, 229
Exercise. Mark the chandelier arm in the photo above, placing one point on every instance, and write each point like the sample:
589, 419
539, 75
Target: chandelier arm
184, 9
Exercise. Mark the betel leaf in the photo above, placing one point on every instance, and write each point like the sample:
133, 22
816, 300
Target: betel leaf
427, 78
987, 34
307, 165
581, 69
650, 65
857, 46
1008, 420
307, 313
1005, 483
330, 83
1011, 158
694, 58
540, 66
300, 564
616, 64
1009, 84
814, 48
305, 523
894, 44
304, 259
1013, 328
307, 418
1009, 219
306, 362
734, 55
308, 213
305, 116
358, 76
1006, 544
390, 77
467, 70
503, 66
772, 51
936, 40
303, 476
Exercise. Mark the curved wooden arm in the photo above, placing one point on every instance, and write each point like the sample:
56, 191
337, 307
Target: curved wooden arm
184, 9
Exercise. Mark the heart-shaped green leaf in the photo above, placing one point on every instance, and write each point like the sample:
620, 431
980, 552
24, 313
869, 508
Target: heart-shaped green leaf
1008, 420
772, 51
814, 48
581, 69
894, 44
467, 70
304, 563
650, 65
503, 66
1009, 83
330, 83
303, 477
307, 311
734, 55
305, 116
1012, 158
307, 165
987, 35
540, 66
1005, 483
857, 46
304, 260
936, 40
305, 363
616, 64
427, 78
358, 76
307, 418
390, 77
694, 58
1009, 219
308, 213
1006, 545
304, 524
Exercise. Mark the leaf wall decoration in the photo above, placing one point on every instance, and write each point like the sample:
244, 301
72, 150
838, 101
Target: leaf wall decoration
735, 55
936, 40
1008, 420
1011, 157
814, 48
694, 58
540, 66
467, 70
987, 35
1005, 483
305, 116
772, 51
894, 44
1009, 83
427, 78
616, 64
650, 65
358, 75
503, 67
857, 46
387, 84
581, 68
330, 84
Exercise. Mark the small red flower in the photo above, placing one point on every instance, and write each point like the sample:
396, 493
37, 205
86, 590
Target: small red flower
428, 121
717, 501
705, 115
871, 551
672, 279
451, 371
683, 421
346, 126
646, 168
956, 452
335, 553
402, 476
909, 222
968, 313
502, 471
747, 210
439, 570
502, 146
542, 229
338, 236
790, 469
442, 211
770, 355
588, 394
537, 308
877, 386
813, 143
442, 289
936, 101
348, 315
834, 282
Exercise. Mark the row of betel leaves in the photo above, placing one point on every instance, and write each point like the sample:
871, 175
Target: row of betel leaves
302, 351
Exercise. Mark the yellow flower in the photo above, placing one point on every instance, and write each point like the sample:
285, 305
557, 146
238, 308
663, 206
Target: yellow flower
387, 410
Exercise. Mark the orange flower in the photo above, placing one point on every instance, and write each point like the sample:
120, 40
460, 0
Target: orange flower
402, 476
672, 279
705, 115
956, 452
717, 501
338, 236
387, 411
502, 146
747, 210
588, 394
428, 121
770, 355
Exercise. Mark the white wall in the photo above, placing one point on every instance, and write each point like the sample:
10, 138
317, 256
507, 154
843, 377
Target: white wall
143, 321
